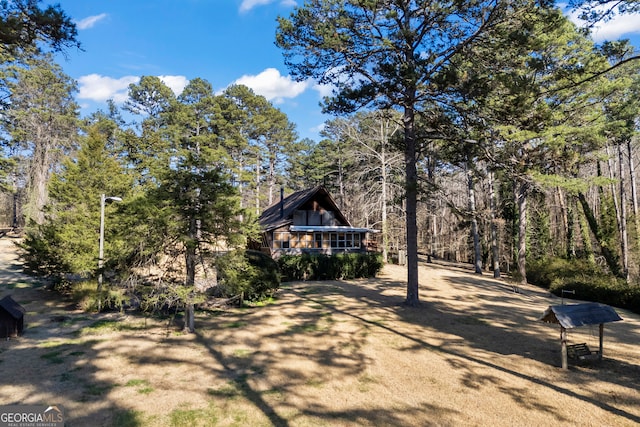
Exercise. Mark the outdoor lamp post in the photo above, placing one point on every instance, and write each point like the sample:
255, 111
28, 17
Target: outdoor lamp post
103, 200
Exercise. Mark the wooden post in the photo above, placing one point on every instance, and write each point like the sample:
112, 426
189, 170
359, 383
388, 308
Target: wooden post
563, 347
601, 340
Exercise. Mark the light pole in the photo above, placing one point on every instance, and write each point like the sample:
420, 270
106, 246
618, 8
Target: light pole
103, 200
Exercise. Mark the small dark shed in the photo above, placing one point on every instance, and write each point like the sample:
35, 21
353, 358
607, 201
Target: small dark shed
11, 317
575, 315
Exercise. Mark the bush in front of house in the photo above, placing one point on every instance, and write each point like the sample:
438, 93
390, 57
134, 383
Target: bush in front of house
329, 267
251, 274
587, 280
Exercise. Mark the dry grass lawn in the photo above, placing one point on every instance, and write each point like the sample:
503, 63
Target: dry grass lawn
343, 353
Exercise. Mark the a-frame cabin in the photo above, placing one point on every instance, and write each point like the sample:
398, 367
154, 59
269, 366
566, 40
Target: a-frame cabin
309, 221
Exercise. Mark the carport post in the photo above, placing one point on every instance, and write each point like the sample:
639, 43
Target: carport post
563, 347
601, 340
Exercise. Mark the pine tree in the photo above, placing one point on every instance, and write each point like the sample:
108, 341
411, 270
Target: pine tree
67, 240
187, 208
41, 121
390, 54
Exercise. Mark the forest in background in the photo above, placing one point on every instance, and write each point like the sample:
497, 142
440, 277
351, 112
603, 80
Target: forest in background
515, 149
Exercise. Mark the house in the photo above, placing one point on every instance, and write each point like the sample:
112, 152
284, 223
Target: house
309, 221
11, 317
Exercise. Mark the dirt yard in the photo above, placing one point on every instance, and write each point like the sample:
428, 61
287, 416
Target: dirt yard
323, 354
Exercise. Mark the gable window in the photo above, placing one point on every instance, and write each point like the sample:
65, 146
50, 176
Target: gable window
300, 217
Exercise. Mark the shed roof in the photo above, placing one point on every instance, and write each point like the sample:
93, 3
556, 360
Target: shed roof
12, 307
575, 315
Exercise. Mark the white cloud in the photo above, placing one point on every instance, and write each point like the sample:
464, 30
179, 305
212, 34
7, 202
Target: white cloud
319, 128
617, 27
100, 88
272, 85
613, 29
175, 83
90, 21
323, 90
247, 5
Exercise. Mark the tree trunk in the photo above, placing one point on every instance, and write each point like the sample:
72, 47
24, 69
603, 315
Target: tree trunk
411, 193
257, 195
521, 201
191, 262
634, 192
477, 252
495, 250
39, 177
614, 192
624, 239
431, 225
632, 177
571, 240
609, 256
272, 176
385, 225
189, 319
586, 238
567, 223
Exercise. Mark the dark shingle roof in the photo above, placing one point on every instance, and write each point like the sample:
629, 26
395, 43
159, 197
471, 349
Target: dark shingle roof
281, 212
12, 307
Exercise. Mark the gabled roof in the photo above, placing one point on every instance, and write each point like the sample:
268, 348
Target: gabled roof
574, 315
281, 213
12, 307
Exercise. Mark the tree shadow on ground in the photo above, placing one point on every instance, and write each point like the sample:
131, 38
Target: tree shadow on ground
51, 364
258, 375
495, 321
244, 354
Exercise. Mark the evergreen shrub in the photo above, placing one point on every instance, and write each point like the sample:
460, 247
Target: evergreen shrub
251, 274
329, 267
40, 253
85, 294
588, 281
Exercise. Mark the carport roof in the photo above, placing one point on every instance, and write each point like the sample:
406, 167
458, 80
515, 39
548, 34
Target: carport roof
575, 315
12, 307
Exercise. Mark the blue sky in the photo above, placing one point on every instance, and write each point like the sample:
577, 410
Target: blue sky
222, 41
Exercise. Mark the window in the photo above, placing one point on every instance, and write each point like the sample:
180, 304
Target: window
314, 218
294, 240
299, 217
344, 240
306, 240
317, 240
281, 240
329, 218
